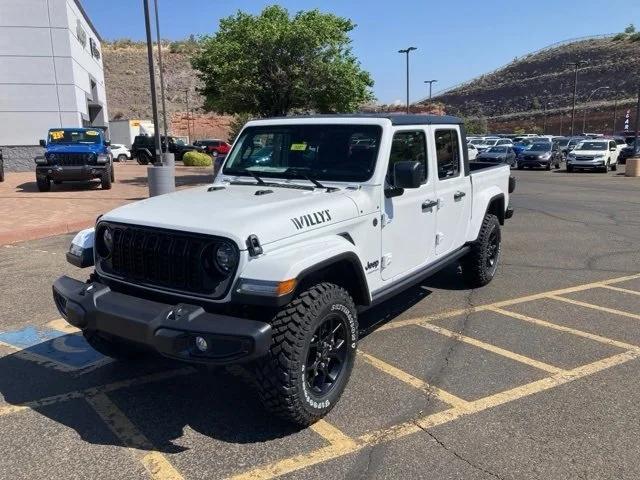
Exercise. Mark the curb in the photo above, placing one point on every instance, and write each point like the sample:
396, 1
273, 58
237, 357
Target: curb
34, 233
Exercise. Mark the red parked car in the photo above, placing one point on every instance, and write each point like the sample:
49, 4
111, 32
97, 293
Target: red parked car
214, 147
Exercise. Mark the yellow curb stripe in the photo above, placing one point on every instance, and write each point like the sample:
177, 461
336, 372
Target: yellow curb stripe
413, 381
562, 328
93, 391
300, 462
492, 348
61, 325
505, 303
622, 290
154, 462
622, 313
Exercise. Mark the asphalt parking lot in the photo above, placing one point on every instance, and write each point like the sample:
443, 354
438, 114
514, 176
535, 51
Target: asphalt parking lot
533, 376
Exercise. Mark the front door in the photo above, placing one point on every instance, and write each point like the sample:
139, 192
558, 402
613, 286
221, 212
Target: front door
407, 231
453, 189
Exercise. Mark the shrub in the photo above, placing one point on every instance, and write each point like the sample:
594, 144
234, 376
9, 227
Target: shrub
619, 37
196, 159
635, 37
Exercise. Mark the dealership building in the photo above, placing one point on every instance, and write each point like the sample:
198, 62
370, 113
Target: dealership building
51, 74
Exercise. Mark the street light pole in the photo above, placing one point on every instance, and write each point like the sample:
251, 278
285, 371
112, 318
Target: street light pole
584, 115
575, 89
164, 106
615, 113
544, 118
430, 82
407, 51
152, 82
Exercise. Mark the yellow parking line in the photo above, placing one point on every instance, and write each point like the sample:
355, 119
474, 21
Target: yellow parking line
505, 303
300, 462
153, 461
622, 313
93, 391
332, 434
562, 328
492, 348
414, 381
622, 290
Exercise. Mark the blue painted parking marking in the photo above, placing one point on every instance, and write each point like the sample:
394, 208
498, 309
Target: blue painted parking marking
68, 350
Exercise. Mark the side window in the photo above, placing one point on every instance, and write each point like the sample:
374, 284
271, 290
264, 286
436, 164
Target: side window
612, 145
447, 153
409, 145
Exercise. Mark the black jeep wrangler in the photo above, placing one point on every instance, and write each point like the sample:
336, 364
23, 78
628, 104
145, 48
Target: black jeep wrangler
143, 148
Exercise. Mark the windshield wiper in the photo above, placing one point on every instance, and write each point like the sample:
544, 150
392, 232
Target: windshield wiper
306, 176
254, 175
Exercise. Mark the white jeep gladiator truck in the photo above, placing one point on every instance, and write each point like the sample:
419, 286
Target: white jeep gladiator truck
310, 220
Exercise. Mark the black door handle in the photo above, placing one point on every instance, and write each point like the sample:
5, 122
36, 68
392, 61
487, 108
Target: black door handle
429, 204
458, 195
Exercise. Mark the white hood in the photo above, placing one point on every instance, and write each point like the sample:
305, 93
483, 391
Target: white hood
236, 212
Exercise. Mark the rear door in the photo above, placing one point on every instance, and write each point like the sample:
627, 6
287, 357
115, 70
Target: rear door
408, 223
453, 189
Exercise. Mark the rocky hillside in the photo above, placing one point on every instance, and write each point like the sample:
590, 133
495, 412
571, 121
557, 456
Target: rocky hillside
540, 78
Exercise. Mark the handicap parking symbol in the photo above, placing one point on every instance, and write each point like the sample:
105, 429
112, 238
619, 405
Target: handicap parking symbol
68, 350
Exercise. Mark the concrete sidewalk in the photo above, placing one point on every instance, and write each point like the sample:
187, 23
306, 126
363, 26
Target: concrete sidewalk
27, 214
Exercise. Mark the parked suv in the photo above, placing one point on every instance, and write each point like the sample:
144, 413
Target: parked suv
214, 147
600, 155
74, 154
542, 153
346, 212
143, 148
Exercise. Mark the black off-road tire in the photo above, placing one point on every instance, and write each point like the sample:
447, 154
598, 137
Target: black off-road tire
112, 173
281, 376
479, 266
105, 179
44, 184
143, 158
111, 347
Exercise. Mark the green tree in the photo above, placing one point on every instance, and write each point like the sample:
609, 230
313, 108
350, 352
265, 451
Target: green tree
273, 63
239, 119
476, 126
631, 28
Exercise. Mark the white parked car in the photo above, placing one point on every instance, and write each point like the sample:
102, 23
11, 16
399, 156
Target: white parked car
493, 142
120, 152
297, 245
601, 155
472, 150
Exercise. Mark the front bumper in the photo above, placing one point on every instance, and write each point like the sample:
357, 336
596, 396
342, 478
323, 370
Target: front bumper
587, 164
537, 162
168, 329
66, 173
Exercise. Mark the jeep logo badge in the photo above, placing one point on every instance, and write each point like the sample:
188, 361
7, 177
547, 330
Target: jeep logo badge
311, 219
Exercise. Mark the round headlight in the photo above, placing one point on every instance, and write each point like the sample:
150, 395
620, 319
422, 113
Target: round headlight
107, 241
226, 258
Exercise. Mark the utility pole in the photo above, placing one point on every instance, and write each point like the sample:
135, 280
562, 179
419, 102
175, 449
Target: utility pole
407, 51
164, 106
584, 115
152, 82
544, 118
186, 92
576, 65
430, 82
615, 112
635, 148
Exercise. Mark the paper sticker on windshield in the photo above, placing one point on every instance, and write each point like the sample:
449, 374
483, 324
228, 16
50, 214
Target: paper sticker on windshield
92, 133
57, 134
298, 147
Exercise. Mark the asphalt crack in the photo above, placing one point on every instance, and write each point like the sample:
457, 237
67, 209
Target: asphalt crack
473, 465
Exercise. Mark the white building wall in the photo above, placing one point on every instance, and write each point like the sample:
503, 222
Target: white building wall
45, 71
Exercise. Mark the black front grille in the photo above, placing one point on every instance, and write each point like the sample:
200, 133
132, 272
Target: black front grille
163, 258
71, 159
531, 157
584, 158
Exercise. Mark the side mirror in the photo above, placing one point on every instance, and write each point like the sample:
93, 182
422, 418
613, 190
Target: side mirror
408, 174
107, 143
43, 143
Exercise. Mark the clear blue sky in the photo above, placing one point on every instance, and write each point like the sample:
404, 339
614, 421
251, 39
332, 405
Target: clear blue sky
456, 40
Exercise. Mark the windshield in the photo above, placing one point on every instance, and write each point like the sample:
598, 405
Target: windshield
497, 150
540, 147
592, 146
324, 152
563, 142
78, 136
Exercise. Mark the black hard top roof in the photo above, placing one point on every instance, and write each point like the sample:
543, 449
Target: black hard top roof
396, 118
